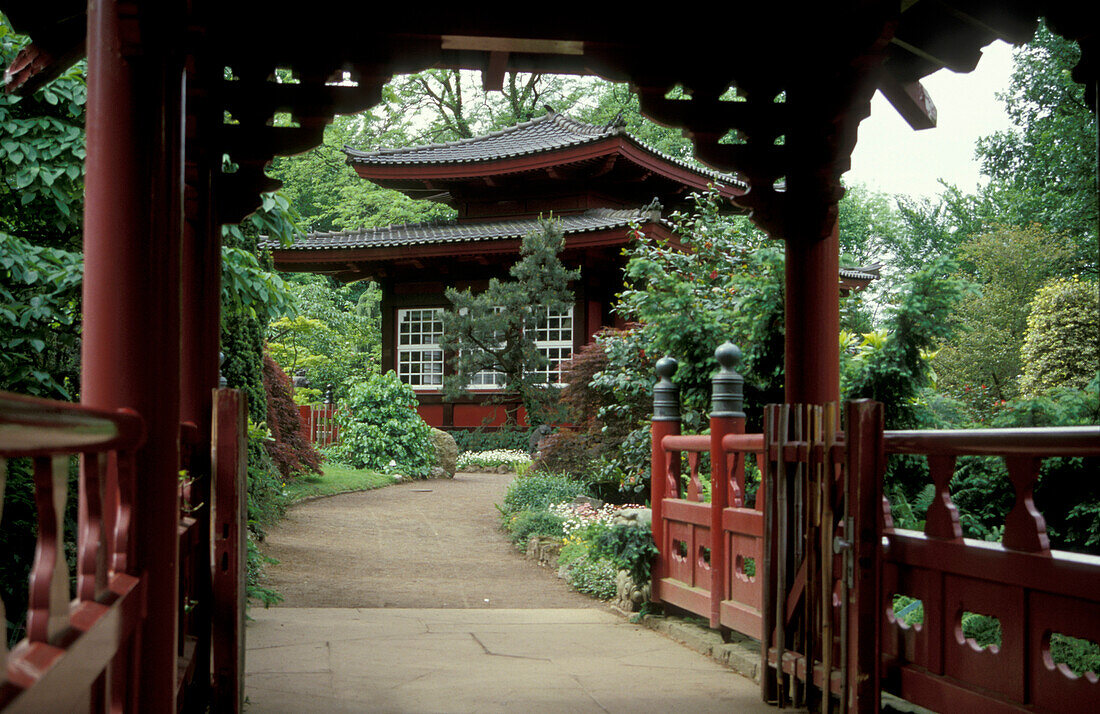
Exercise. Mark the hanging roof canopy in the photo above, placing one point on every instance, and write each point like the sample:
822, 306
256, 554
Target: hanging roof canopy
406, 249
805, 75
551, 154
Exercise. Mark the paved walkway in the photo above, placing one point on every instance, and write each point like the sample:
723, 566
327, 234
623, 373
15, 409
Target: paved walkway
408, 599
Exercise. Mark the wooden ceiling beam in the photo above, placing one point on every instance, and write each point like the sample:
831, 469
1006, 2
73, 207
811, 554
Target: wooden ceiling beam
911, 100
492, 77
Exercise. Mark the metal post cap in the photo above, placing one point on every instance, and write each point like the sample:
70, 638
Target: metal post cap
666, 395
727, 385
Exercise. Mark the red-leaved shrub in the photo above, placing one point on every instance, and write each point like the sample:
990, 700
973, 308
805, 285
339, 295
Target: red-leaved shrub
290, 451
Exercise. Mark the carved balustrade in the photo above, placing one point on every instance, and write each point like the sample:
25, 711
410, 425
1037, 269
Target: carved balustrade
713, 577
78, 648
1035, 593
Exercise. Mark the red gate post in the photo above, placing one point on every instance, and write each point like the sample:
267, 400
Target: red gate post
866, 466
726, 417
666, 422
131, 321
230, 459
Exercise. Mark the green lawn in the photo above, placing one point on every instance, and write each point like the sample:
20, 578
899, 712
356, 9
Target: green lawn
337, 478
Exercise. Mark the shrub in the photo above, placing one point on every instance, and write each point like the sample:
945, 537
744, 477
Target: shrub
538, 491
630, 548
568, 451
482, 440
593, 577
526, 524
1059, 347
290, 451
379, 424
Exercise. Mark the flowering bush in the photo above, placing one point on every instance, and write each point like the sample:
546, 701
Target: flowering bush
474, 460
583, 522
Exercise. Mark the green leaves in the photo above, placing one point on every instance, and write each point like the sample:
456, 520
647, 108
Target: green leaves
39, 318
42, 155
495, 330
379, 424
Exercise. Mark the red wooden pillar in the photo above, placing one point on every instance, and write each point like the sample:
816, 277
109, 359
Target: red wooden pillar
665, 422
726, 417
812, 349
132, 293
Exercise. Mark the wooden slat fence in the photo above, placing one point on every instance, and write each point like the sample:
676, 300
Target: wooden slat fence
319, 424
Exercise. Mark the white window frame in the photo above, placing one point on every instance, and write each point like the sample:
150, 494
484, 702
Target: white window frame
419, 358
556, 343
553, 340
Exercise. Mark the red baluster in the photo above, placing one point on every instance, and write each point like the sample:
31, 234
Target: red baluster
695, 486
48, 602
91, 576
1025, 528
943, 517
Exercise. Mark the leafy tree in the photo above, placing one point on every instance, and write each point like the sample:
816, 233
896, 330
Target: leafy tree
333, 335
981, 365
330, 196
1046, 165
891, 366
723, 282
1059, 348
495, 329
39, 318
868, 225
42, 155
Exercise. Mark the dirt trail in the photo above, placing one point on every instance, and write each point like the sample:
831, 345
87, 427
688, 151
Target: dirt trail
422, 544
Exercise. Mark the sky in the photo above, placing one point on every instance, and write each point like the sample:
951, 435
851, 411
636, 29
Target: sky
893, 158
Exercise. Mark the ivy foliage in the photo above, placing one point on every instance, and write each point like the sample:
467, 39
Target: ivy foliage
379, 424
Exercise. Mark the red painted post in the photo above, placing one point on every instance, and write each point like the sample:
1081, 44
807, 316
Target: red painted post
726, 417
866, 466
230, 460
131, 325
812, 357
665, 422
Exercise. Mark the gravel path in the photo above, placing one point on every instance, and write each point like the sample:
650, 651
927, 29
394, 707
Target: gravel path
423, 544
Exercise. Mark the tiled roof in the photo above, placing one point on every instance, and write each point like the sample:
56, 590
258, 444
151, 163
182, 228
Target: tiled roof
869, 272
597, 219
547, 133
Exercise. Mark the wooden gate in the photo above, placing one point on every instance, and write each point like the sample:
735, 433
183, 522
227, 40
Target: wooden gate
821, 575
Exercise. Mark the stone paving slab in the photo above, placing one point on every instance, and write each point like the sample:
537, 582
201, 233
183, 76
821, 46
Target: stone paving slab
503, 660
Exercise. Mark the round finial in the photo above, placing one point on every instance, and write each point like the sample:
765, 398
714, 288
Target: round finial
666, 367
728, 355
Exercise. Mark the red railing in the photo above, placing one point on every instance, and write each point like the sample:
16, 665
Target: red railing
828, 570
714, 577
1033, 591
319, 423
78, 650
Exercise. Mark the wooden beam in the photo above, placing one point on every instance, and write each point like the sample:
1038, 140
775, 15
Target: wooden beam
911, 100
512, 44
492, 77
